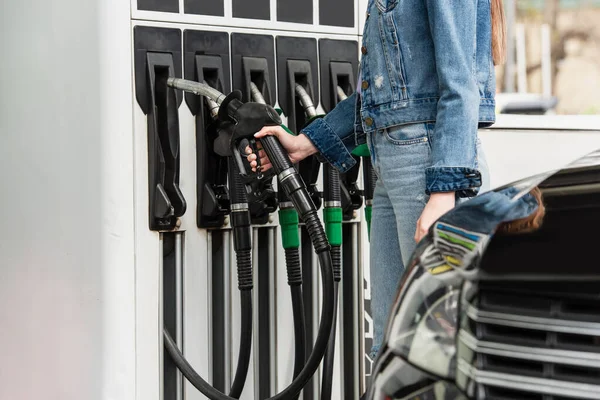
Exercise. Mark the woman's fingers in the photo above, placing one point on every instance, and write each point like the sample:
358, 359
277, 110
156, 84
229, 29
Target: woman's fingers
264, 166
270, 130
251, 156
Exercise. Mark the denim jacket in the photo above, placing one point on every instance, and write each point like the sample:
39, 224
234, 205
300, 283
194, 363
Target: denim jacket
422, 61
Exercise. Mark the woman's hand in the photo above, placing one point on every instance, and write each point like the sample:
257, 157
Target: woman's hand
438, 205
298, 147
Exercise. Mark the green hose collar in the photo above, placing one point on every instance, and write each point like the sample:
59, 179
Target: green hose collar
288, 220
333, 225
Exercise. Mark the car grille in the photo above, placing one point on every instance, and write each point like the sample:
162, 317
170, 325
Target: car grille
531, 341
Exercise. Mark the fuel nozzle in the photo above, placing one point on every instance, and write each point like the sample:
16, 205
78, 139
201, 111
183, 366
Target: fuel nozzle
251, 118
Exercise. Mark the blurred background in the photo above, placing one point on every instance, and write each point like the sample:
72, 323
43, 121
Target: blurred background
553, 64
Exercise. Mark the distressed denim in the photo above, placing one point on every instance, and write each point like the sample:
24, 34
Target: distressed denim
400, 156
423, 61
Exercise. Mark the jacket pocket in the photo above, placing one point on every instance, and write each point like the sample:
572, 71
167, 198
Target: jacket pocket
405, 135
386, 5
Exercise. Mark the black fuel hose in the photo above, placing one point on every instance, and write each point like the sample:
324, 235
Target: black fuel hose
294, 272
299, 328
242, 237
243, 364
333, 220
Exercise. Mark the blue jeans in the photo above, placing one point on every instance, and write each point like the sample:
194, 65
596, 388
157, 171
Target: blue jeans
400, 156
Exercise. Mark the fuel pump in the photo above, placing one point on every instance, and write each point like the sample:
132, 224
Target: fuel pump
239, 123
332, 215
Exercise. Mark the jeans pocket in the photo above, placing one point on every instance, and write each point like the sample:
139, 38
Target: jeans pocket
406, 135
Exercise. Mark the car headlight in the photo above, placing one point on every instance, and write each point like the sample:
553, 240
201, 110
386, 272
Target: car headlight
423, 330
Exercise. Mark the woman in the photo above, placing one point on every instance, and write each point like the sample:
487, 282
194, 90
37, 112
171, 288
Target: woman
426, 84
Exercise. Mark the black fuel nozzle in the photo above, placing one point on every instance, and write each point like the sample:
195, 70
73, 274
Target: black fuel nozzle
258, 184
250, 118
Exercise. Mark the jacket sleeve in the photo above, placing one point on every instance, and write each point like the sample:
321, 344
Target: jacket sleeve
454, 142
333, 135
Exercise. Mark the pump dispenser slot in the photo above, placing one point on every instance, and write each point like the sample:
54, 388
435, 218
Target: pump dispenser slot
297, 63
342, 75
296, 60
256, 70
298, 72
166, 200
206, 59
254, 63
158, 57
339, 65
252, 55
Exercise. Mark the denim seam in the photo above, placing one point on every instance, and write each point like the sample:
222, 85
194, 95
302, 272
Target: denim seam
387, 57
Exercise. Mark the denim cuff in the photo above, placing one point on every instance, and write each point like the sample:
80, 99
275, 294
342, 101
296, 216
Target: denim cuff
464, 181
330, 145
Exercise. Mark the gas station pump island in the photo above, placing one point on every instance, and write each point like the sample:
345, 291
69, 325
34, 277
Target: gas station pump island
259, 343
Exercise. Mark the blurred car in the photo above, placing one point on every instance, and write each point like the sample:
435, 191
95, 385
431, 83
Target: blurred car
502, 299
525, 103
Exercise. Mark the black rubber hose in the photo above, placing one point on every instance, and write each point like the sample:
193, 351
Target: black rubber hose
299, 329
328, 363
243, 363
294, 389
294, 272
242, 237
294, 269
333, 197
331, 182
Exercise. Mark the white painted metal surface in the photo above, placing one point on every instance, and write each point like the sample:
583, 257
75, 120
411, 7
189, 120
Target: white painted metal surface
67, 239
